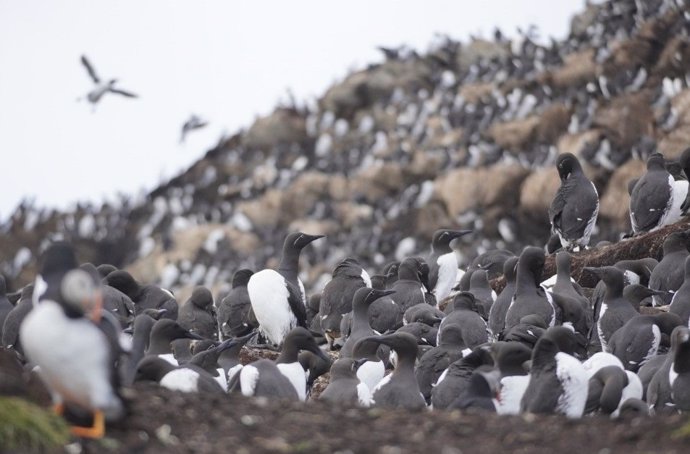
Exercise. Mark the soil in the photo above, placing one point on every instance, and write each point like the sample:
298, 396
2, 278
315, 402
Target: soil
173, 422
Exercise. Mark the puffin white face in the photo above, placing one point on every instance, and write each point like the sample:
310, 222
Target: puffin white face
80, 291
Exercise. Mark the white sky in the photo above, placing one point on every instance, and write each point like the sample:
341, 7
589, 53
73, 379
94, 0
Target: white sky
227, 61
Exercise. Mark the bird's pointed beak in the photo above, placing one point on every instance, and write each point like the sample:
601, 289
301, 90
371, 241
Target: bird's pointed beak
458, 233
359, 362
321, 354
193, 335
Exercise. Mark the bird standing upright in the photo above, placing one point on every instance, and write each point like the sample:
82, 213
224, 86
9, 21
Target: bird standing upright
574, 209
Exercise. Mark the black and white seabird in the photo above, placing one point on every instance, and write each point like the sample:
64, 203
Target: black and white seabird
443, 262
465, 314
101, 87
288, 363
277, 297
314, 366
662, 386
575, 207
163, 333
262, 378
655, 199
371, 371
425, 334
492, 261
679, 373
144, 296
497, 314
10, 331
564, 284
615, 310
481, 391
423, 313
229, 358
669, 274
409, 290
482, 291
609, 388
141, 334
510, 359
233, 311
456, 378
399, 389
344, 386
337, 295
530, 297
208, 360
433, 362
188, 378
527, 332
76, 348
680, 302
198, 314
639, 339
361, 328
384, 313
557, 382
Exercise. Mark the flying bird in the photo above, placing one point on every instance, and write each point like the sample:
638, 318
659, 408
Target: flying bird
193, 123
101, 87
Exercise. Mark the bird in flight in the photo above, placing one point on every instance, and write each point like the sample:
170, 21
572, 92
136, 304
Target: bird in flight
101, 87
193, 123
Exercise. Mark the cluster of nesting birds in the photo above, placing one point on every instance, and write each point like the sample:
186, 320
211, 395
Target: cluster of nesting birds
448, 340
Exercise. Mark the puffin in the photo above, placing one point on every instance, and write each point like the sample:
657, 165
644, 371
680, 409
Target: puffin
75, 344
277, 297
575, 207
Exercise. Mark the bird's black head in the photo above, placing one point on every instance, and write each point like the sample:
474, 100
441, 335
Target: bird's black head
58, 258
301, 339
567, 164
105, 269
532, 261
124, 282
298, 240
241, 277
202, 298
442, 238
656, 161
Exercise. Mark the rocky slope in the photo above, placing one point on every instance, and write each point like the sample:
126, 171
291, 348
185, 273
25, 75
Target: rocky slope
462, 136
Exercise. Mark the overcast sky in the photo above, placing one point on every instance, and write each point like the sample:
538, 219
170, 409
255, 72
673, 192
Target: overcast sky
227, 61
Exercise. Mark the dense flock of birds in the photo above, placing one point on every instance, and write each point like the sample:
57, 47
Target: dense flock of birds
421, 333
421, 104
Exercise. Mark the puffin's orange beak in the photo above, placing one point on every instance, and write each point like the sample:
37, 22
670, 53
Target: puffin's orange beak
97, 308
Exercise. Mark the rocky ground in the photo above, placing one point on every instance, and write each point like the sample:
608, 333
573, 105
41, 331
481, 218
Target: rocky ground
165, 421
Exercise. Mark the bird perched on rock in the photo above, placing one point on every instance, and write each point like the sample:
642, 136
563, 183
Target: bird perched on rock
277, 297
102, 87
574, 209
655, 199
75, 344
669, 274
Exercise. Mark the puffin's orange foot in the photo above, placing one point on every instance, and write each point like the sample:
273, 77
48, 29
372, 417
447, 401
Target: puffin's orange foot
95, 431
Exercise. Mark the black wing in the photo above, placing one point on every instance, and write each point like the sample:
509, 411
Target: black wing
89, 68
123, 93
573, 208
296, 304
647, 204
